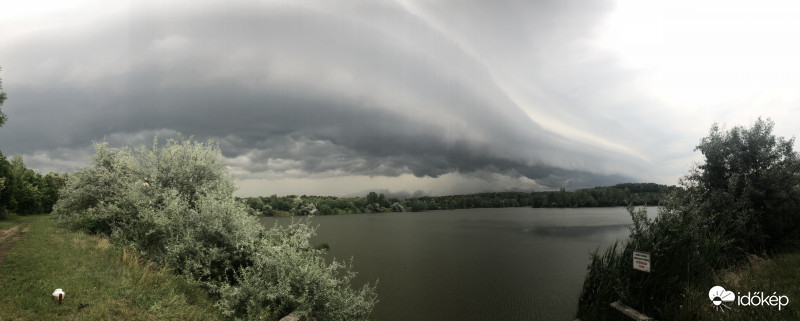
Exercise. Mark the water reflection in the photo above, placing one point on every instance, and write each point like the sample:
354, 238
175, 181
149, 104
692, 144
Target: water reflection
582, 232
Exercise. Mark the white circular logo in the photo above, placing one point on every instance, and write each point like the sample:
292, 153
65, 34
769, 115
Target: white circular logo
718, 296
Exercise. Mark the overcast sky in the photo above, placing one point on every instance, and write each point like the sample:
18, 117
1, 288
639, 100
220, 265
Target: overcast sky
438, 97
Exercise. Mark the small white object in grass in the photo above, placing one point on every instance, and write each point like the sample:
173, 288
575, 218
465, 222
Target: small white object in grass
58, 294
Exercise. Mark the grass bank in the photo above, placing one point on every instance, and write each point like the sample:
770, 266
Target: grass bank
779, 274
102, 282
688, 259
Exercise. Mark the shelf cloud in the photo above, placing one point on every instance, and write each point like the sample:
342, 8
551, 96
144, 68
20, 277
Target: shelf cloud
475, 93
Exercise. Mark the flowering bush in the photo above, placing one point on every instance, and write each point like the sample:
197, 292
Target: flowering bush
175, 204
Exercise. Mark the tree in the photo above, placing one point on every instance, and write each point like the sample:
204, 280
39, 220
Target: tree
6, 188
305, 209
750, 177
417, 205
255, 203
3, 213
397, 207
26, 196
52, 183
372, 197
3, 98
25, 191
382, 200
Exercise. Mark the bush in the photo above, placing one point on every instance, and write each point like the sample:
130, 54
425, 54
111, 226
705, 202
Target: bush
743, 200
288, 274
397, 207
175, 204
685, 249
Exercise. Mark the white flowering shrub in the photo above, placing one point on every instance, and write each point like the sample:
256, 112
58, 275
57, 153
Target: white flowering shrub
288, 274
175, 204
103, 196
397, 207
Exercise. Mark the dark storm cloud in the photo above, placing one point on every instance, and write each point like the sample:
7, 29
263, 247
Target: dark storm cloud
356, 89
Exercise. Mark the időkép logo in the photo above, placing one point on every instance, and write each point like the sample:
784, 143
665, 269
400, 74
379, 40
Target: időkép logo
719, 297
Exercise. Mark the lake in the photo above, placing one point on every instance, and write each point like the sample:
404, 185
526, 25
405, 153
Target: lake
473, 264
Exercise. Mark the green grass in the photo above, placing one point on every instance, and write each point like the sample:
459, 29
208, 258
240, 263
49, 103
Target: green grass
14, 220
780, 274
101, 281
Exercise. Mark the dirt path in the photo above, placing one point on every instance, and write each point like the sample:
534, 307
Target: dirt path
5, 234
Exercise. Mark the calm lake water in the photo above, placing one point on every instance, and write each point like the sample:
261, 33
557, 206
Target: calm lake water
476, 264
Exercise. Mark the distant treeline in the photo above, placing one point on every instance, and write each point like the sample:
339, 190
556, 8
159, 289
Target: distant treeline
637, 194
24, 191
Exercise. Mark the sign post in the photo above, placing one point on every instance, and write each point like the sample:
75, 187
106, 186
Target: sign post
641, 261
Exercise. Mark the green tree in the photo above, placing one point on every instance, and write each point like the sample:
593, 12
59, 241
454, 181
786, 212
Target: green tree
255, 203
26, 196
417, 206
752, 178
52, 184
397, 207
3, 98
382, 200
6, 189
372, 197
325, 209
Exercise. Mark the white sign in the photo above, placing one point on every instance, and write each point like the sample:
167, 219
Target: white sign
641, 261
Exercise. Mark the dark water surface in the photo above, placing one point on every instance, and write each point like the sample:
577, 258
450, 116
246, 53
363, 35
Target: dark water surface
476, 264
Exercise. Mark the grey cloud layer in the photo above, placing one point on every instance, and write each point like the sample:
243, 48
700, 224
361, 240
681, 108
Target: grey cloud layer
367, 89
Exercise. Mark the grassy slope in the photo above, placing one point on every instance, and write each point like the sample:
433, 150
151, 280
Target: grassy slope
101, 281
780, 274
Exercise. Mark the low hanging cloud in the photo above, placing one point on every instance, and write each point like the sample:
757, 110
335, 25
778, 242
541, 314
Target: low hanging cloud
294, 90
